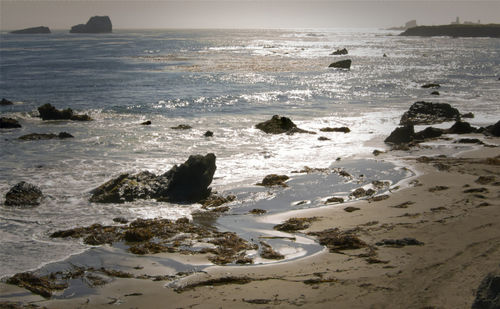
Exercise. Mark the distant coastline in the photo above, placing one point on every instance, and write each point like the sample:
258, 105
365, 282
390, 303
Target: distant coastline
454, 30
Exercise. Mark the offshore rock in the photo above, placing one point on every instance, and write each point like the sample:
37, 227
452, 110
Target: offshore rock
461, 30
429, 113
96, 24
493, 129
40, 136
5, 102
49, 112
461, 127
34, 30
23, 194
401, 135
428, 132
186, 183
431, 85
488, 293
343, 64
279, 125
8, 123
274, 180
339, 129
342, 51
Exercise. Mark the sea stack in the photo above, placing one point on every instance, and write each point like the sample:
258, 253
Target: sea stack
34, 30
96, 24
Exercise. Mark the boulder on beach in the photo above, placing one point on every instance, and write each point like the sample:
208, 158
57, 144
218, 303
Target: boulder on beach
96, 24
49, 112
5, 102
429, 113
488, 292
279, 125
401, 135
274, 180
343, 64
8, 123
23, 194
41, 136
33, 30
186, 183
342, 51
493, 129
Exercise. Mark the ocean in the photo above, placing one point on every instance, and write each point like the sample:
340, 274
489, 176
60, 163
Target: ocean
225, 81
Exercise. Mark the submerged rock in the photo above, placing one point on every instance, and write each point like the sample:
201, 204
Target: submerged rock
182, 127
429, 113
343, 64
208, 134
279, 125
33, 30
96, 24
401, 135
8, 123
186, 183
23, 194
435, 93
488, 292
5, 102
431, 85
342, 51
146, 123
41, 136
49, 112
339, 129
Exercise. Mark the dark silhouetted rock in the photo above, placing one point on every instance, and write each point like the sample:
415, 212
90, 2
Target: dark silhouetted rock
64, 135
384, 55
186, 183
467, 115
40, 136
340, 129
460, 30
488, 293
401, 135
96, 24
181, 127
429, 113
429, 132
435, 93
146, 123
23, 194
461, 127
342, 51
343, 64
5, 102
34, 30
493, 130
322, 138
208, 134
431, 85
469, 141
274, 180
279, 125
334, 200
7, 123
49, 112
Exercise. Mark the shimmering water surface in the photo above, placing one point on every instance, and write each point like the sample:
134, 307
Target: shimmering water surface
225, 81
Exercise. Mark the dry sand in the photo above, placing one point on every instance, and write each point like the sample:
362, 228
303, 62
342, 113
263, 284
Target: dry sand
460, 232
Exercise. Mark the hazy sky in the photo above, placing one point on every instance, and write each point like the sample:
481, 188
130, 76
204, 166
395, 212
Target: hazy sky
129, 14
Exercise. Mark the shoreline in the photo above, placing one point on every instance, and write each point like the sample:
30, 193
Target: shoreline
448, 221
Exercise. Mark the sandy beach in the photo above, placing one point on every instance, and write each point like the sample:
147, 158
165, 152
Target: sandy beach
448, 211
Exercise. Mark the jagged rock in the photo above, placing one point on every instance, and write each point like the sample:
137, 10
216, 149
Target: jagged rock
33, 30
342, 51
488, 292
431, 85
461, 127
96, 24
279, 125
208, 134
7, 123
429, 113
5, 102
23, 194
146, 123
40, 136
401, 135
428, 132
339, 129
274, 180
493, 129
49, 112
186, 183
343, 64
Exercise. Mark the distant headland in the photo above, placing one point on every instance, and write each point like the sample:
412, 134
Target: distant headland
34, 30
96, 24
456, 30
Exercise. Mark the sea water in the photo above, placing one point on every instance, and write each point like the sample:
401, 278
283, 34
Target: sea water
225, 81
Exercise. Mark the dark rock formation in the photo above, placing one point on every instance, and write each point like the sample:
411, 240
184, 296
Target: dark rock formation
39, 136
208, 134
274, 180
461, 30
407, 241
431, 85
34, 30
96, 24
278, 125
342, 51
334, 200
429, 113
401, 135
488, 293
146, 123
339, 129
23, 194
435, 93
49, 112
461, 127
343, 64
322, 138
428, 132
467, 115
7, 123
41, 285
186, 183
493, 130
182, 127
5, 102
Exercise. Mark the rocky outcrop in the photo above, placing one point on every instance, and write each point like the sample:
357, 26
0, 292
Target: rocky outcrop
274, 180
23, 194
40, 136
34, 30
208, 134
461, 30
5, 102
401, 135
279, 125
49, 112
186, 183
343, 64
146, 123
8, 123
339, 129
428, 132
431, 85
493, 130
488, 292
96, 24
461, 127
342, 51
429, 113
